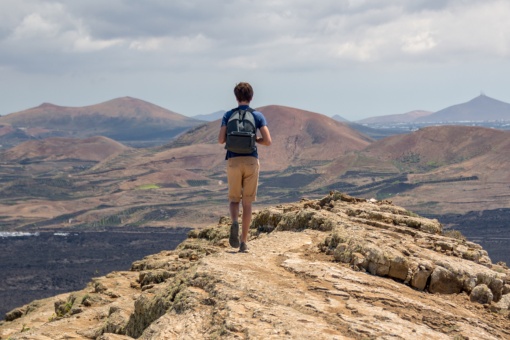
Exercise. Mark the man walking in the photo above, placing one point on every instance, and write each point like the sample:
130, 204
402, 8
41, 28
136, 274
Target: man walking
243, 168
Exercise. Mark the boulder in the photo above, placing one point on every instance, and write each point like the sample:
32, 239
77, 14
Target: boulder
481, 294
14, 314
504, 302
421, 275
444, 281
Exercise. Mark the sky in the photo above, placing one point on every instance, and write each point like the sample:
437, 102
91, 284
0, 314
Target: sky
353, 58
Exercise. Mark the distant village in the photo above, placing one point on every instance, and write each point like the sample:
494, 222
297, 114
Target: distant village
414, 126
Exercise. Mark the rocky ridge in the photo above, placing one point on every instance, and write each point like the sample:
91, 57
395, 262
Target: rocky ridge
334, 268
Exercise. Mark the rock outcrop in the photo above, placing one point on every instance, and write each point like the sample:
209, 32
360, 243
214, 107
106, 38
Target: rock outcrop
335, 268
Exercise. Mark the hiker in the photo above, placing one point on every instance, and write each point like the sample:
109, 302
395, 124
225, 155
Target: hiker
243, 164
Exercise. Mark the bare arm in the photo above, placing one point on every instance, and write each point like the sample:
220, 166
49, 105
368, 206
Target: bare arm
222, 136
266, 136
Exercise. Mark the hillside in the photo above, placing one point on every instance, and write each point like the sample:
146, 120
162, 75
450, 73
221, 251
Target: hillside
52, 149
336, 267
440, 145
123, 119
447, 168
302, 137
299, 138
11, 136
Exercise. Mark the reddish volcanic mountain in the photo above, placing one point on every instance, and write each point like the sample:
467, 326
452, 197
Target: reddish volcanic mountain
440, 144
302, 137
448, 168
299, 138
124, 119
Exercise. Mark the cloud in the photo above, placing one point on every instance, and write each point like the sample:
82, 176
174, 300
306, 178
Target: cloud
350, 45
257, 34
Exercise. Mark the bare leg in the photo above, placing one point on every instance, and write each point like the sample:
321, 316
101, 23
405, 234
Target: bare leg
246, 220
234, 211
233, 238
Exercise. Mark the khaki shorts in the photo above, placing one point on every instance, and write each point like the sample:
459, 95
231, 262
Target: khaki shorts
243, 178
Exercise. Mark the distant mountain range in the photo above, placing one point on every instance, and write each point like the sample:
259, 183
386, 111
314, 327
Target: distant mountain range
340, 118
479, 109
137, 123
400, 118
211, 116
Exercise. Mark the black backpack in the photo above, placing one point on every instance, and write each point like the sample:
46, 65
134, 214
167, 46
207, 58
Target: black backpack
241, 132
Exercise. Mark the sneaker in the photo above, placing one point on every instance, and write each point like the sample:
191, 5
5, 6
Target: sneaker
243, 248
234, 235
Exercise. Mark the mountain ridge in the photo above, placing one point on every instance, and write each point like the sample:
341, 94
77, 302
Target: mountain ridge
481, 108
125, 119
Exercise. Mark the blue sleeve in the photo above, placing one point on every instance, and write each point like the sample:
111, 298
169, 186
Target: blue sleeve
260, 120
225, 118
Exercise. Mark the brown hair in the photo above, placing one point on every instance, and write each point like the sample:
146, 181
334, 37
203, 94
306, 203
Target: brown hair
243, 92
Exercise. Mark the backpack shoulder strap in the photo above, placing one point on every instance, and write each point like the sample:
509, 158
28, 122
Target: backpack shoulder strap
238, 109
241, 113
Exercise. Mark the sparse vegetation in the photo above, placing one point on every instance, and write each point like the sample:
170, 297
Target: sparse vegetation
148, 187
454, 234
84, 299
63, 308
434, 164
410, 158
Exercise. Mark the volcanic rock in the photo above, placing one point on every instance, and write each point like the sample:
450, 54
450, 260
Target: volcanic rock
334, 268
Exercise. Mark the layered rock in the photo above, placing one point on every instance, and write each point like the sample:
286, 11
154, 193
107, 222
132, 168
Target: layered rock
335, 268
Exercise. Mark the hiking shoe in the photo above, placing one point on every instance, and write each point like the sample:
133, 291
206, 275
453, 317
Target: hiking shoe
243, 248
234, 235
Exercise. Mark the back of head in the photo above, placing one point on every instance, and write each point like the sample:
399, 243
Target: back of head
243, 92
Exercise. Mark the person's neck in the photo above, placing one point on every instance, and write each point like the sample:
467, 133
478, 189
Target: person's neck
243, 103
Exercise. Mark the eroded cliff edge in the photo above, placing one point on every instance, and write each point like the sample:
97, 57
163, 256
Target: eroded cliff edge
335, 268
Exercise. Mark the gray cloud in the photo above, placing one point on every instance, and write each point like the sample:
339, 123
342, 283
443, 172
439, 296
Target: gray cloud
257, 33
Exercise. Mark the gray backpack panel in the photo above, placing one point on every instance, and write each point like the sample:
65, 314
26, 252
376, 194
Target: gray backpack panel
241, 132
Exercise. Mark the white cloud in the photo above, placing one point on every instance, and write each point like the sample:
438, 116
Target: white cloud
34, 26
149, 44
52, 29
185, 44
419, 42
84, 43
